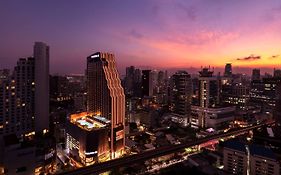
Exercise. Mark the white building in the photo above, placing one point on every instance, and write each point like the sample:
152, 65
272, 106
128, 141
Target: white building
202, 117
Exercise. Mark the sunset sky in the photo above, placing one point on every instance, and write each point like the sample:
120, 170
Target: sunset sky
155, 33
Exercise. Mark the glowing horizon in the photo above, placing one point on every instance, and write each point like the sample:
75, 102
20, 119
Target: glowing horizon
163, 34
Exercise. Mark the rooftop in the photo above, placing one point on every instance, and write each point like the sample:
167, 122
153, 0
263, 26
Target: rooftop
235, 145
262, 151
89, 121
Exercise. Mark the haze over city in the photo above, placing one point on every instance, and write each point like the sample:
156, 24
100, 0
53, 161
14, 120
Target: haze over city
158, 34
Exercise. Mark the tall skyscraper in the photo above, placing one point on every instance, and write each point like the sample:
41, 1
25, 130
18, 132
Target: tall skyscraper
208, 89
106, 97
41, 56
228, 70
256, 74
132, 81
181, 89
129, 80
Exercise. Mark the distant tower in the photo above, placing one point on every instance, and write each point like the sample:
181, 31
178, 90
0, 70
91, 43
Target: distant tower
146, 83
277, 73
106, 97
277, 110
41, 56
208, 89
256, 74
129, 79
228, 70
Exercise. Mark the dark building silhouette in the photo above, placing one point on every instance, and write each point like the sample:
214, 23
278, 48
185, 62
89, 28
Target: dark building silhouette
146, 83
228, 70
256, 74
181, 90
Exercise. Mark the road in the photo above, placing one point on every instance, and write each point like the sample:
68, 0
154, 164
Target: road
137, 158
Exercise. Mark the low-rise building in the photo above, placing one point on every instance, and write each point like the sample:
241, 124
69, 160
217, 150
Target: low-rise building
202, 117
87, 138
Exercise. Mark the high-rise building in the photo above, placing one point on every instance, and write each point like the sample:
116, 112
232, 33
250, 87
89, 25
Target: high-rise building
146, 83
263, 92
24, 115
41, 70
129, 80
132, 82
106, 97
256, 74
160, 91
181, 90
209, 89
17, 94
228, 70
236, 94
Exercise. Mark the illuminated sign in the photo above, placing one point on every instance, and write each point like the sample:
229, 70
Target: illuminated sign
91, 153
119, 135
95, 56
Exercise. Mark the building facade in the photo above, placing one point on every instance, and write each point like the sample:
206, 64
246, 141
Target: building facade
181, 90
41, 56
209, 89
211, 117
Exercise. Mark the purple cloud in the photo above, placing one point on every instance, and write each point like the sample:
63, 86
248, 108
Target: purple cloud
249, 58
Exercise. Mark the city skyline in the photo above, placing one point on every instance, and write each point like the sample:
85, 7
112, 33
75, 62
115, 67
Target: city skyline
147, 33
140, 87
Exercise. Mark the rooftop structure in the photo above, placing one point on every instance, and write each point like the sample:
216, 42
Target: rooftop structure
89, 121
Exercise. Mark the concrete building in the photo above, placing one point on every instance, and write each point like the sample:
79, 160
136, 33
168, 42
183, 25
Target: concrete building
263, 161
209, 89
235, 158
106, 97
41, 56
239, 158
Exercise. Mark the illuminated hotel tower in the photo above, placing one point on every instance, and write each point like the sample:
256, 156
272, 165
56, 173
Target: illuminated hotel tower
106, 97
